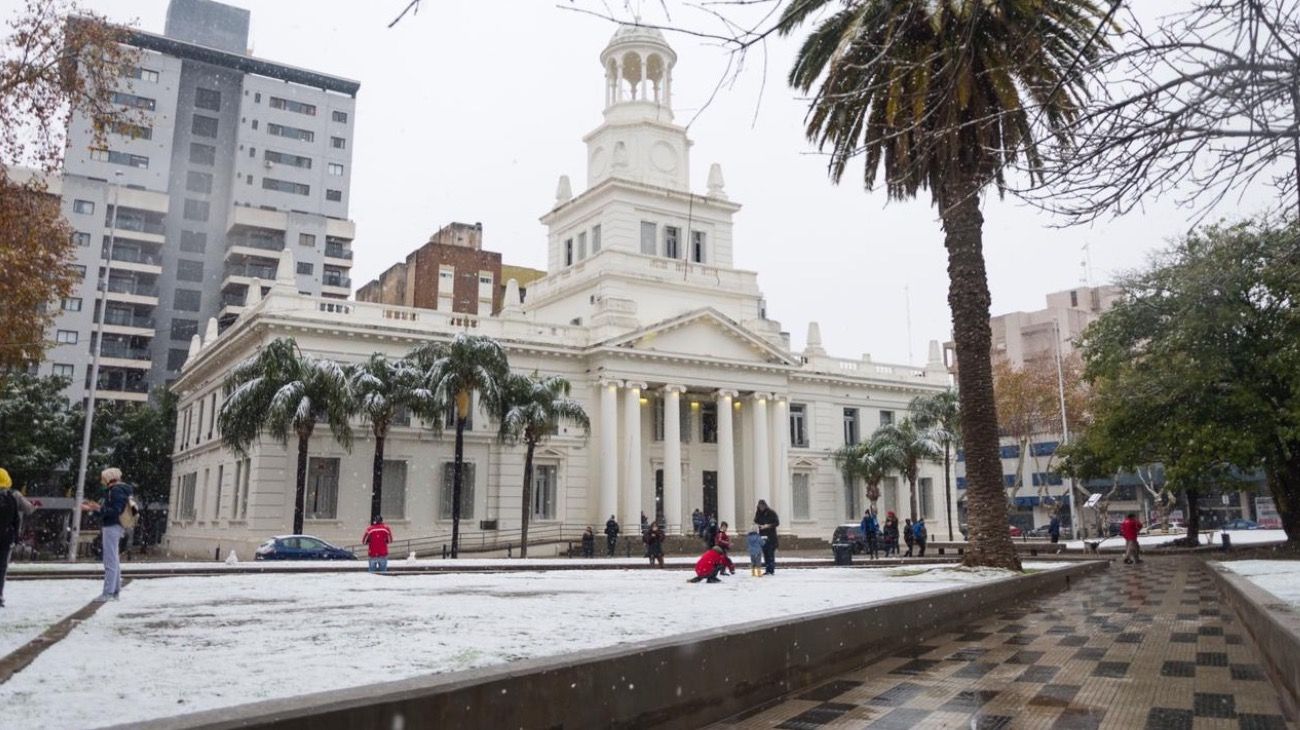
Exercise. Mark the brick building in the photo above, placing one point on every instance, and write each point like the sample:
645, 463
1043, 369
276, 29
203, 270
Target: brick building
451, 272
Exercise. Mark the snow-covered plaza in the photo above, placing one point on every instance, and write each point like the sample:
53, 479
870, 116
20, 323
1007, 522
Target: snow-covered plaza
217, 641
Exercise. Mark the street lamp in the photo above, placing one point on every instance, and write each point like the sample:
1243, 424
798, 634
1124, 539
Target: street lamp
101, 287
1065, 427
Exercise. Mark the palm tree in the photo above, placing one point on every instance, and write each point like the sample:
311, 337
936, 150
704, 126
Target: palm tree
532, 411
451, 374
867, 461
382, 390
903, 446
941, 414
945, 95
281, 392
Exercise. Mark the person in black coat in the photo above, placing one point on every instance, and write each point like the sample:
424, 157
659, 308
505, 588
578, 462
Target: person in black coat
588, 543
766, 519
611, 535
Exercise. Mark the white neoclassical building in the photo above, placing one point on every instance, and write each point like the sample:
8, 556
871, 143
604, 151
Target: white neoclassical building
695, 397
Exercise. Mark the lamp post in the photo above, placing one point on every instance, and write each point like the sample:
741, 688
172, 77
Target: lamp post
101, 288
1065, 427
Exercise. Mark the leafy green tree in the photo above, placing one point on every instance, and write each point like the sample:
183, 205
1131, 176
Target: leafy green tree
382, 390
944, 95
452, 373
903, 446
865, 460
533, 409
281, 392
940, 413
41, 432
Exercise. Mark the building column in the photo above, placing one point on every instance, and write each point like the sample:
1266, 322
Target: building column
673, 459
781, 490
758, 432
632, 457
727, 462
608, 450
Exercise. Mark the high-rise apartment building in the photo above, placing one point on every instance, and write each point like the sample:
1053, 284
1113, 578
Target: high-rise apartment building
228, 160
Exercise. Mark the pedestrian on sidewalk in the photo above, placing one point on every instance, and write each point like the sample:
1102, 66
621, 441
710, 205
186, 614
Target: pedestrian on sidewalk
611, 535
654, 544
376, 539
869, 529
1129, 529
588, 543
767, 520
918, 530
710, 564
909, 536
723, 541
117, 500
891, 534
754, 543
1054, 531
13, 508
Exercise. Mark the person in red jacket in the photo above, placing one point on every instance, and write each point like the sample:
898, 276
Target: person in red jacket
376, 539
709, 566
1129, 529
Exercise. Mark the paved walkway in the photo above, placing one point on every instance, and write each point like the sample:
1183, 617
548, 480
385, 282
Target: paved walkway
1148, 646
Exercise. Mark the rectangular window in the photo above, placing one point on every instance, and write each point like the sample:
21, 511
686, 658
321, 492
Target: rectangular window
334, 195
568, 252
802, 495
466, 490
197, 210
176, 359
198, 182
64, 370
305, 268
114, 157
582, 245
221, 478
133, 101
296, 107
851, 431
595, 239
128, 130
85, 207
697, 246
144, 74
257, 97
852, 498
544, 491
307, 239
198, 429
71, 304
322, 489
284, 158
79, 270
279, 130
392, 501
335, 169
886, 418
209, 99
649, 246
202, 154
187, 300
798, 425
66, 337
184, 329
338, 143
189, 483
709, 423
285, 186
187, 270
201, 126
81, 239
254, 125
684, 420
340, 117
194, 241
670, 242
925, 495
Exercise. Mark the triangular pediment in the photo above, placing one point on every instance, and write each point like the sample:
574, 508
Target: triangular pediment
705, 333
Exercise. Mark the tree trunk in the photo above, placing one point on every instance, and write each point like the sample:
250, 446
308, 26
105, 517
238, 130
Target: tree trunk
911, 495
528, 499
968, 298
456, 486
1284, 486
300, 494
377, 479
1193, 498
947, 489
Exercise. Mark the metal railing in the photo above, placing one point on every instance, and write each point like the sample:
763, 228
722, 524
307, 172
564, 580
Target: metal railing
338, 252
132, 256
251, 270
121, 286
112, 349
439, 544
336, 281
127, 319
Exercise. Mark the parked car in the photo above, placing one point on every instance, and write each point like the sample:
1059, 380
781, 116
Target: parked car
1040, 531
1240, 524
300, 547
850, 532
1015, 531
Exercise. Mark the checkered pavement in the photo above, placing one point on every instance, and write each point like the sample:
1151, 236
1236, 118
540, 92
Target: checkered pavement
1146, 646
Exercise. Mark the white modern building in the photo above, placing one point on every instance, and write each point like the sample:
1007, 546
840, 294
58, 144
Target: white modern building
696, 399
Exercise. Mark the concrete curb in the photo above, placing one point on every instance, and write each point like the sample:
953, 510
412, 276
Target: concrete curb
684, 681
1275, 628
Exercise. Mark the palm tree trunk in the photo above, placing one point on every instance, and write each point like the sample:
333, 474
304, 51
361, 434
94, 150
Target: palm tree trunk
377, 478
1193, 517
947, 489
968, 298
300, 494
528, 500
456, 486
911, 495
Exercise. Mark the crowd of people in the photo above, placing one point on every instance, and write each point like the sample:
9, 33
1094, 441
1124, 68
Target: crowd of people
878, 538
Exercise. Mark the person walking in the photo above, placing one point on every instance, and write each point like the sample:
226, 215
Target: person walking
1054, 531
654, 544
921, 536
710, 564
909, 537
117, 500
891, 534
588, 543
1129, 529
376, 539
767, 520
13, 508
869, 529
611, 535
754, 544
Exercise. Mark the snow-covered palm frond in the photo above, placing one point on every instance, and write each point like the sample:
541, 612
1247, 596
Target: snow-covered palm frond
534, 407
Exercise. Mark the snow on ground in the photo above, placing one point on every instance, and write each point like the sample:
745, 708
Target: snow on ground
209, 642
1279, 577
1238, 537
30, 608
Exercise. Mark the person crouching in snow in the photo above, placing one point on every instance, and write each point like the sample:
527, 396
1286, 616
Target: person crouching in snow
754, 544
710, 564
376, 539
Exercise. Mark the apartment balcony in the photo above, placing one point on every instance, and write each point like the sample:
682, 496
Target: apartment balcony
337, 281
336, 255
116, 355
128, 259
121, 384
248, 217
131, 292
128, 324
242, 275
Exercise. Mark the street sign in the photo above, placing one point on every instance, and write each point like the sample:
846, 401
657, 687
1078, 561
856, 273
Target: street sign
1093, 500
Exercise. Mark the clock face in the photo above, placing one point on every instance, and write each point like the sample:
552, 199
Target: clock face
663, 157
599, 161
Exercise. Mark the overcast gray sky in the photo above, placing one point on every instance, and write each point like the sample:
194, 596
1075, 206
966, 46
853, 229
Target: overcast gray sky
470, 110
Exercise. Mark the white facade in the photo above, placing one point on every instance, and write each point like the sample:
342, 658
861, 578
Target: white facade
695, 398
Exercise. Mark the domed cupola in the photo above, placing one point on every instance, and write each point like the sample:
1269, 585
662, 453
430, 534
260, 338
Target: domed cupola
638, 65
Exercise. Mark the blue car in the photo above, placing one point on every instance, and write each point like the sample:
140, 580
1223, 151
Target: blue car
1240, 524
300, 547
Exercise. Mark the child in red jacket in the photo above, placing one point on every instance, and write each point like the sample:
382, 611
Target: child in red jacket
1129, 529
709, 566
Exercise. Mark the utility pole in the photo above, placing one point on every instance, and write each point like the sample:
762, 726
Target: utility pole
1065, 425
101, 288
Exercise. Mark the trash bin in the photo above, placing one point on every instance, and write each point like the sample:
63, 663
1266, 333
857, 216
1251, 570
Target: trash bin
843, 552
1227, 541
